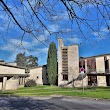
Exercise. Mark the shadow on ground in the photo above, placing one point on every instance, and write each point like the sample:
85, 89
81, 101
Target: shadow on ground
24, 103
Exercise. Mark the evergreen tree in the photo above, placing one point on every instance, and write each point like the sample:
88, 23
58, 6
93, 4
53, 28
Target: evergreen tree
32, 61
52, 64
21, 59
26, 61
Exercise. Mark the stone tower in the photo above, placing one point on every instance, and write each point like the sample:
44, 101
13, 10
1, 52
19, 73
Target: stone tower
68, 62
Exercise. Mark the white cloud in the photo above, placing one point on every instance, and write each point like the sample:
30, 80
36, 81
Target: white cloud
68, 30
41, 53
20, 43
74, 40
46, 33
11, 57
105, 30
103, 33
61, 16
53, 28
38, 51
3, 16
65, 15
14, 47
2, 28
100, 35
17, 44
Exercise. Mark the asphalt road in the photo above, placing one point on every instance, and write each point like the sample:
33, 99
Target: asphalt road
52, 103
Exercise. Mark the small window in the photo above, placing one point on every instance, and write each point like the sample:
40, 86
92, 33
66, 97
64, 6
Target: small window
37, 77
65, 77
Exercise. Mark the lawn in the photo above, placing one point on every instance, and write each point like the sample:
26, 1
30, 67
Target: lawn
99, 92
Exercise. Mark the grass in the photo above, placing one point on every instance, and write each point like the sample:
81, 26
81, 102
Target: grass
99, 92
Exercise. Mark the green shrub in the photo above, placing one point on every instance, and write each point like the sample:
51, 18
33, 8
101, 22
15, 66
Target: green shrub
30, 83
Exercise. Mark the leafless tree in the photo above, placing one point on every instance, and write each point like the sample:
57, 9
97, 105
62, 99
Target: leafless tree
32, 17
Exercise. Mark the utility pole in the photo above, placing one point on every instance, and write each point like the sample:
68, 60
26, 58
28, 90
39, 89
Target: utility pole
82, 83
82, 74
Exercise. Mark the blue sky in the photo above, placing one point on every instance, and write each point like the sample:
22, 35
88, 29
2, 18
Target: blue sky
91, 42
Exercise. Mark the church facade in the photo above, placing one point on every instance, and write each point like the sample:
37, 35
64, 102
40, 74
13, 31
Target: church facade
96, 68
95, 71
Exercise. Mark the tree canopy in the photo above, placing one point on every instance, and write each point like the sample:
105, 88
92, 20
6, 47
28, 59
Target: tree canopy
26, 61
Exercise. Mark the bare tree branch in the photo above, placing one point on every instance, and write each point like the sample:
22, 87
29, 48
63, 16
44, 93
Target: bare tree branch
13, 17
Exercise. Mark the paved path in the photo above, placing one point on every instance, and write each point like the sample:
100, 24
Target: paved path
52, 103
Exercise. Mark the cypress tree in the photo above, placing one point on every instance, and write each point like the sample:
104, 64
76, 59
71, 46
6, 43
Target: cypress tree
52, 64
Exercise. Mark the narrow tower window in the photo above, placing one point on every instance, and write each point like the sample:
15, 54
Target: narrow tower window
65, 77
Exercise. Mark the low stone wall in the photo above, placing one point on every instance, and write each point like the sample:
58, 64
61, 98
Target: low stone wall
101, 81
79, 82
12, 84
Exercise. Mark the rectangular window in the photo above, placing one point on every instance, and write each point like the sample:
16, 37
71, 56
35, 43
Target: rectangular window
92, 80
65, 77
91, 65
107, 66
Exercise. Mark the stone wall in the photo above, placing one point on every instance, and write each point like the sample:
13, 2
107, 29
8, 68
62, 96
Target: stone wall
100, 65
101, 81
108, 57
79, 82
12, 84
36, 74
73, 62
7, 72
11, 70
60, 45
